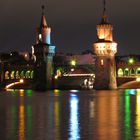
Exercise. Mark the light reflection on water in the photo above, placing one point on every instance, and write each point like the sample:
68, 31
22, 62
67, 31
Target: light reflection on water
73, 115
74, 122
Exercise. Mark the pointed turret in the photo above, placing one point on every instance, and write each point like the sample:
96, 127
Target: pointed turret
104, 28
104, 19
43, 22
43, 32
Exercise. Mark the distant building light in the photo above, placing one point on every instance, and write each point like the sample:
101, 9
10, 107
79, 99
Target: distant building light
26, 55
130, 60
72, 70
73, 62
32, 50
40, 37
102, 62
138, 79
55, 77
21, 80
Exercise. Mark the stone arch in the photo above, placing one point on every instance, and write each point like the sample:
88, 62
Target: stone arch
126, 72
120, 72
12, 74
130, 85
32, 74
138, 71
132, 72
17, 74
22, 74
27, 74
6, 75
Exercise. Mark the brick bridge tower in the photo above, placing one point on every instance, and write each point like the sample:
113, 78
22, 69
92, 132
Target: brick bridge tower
42, 53
105, 49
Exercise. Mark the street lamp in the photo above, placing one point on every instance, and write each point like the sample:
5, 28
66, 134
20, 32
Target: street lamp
73, 62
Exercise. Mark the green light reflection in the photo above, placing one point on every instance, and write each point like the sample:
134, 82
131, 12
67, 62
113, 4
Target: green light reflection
29, 122
127, 121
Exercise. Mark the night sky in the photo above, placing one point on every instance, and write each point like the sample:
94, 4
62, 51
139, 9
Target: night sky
73, 24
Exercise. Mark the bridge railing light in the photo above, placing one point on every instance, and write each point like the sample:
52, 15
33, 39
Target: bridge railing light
21, 80
138, 79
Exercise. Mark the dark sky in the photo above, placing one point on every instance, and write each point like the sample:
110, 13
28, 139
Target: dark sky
73, 23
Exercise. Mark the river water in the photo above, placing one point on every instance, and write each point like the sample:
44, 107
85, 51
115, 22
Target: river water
70, 115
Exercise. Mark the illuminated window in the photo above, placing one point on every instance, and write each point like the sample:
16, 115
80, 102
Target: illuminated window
58, 72
102, 62
32, 74
120, 72
131, 61
22, 74
12, 75
27, 74
73, 62
32, 50
132, 72
126, 72
138, 71
40, 37
7, 75
17, 75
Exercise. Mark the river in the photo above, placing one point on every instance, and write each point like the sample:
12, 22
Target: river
70, 115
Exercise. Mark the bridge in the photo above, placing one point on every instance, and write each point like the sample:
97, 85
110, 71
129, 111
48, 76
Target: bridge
128, 72
17, 76
38, 71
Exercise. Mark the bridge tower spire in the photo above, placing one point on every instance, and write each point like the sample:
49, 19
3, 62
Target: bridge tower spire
42, 54
105, 49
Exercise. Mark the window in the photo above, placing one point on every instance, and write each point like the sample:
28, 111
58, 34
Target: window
7, 75
102, 62
120, 72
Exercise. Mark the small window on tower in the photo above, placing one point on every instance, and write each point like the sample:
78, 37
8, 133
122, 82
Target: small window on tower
40, 37
102, 62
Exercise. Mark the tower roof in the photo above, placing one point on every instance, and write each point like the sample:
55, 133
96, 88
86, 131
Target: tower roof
43, 22
104, 19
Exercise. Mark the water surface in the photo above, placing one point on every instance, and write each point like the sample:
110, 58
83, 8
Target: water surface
72, 115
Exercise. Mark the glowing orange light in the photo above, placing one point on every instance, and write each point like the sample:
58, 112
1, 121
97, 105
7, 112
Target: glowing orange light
56, 77
21, 80
138, 79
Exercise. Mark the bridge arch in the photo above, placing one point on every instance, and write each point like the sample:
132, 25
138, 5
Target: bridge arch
130, 85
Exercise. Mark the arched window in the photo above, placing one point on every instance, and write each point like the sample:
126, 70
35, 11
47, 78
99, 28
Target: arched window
27, 74
7, 75
22, 74
126, 72
132, 72
32, 74
138, 71
12, 75
17, 75
120, 72
59, 72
